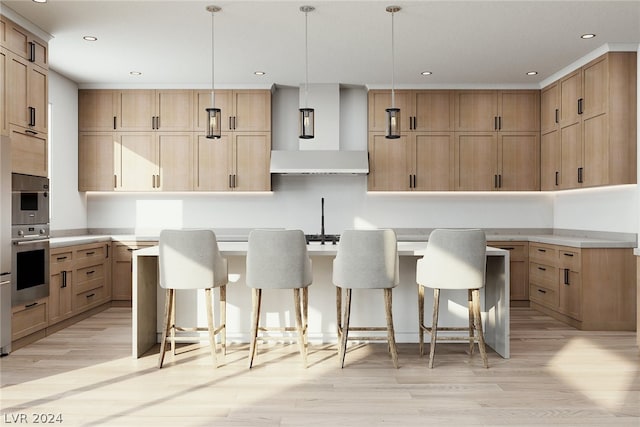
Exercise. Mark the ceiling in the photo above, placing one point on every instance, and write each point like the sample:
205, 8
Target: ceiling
464, 43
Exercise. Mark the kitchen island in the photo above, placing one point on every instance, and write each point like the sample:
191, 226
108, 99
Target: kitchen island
148, 303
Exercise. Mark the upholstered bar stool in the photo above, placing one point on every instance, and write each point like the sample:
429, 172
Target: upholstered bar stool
189, 259
454, 259
366, 259
278, 259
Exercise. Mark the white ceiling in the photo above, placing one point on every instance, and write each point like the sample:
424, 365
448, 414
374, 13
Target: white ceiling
472, 43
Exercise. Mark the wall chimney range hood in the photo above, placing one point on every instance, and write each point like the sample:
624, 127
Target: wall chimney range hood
322, 154
319, 162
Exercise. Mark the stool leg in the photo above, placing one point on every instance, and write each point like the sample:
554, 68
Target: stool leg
339, 315
305, 318
345, 329
390, 332
210, 325
257, 296
471, 323
434, 326
173, 321
223, 319
421, 318
478, 326
299, 325
165, 328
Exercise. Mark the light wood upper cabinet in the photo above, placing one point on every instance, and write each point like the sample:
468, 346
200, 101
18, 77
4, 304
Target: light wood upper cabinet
433, 161
24, 43
154, 161
237, 161
423, 111
4, 111
570, 94
240, 110
97, 110
29, 152
476, 111
518, 161
96, 161
380, 100
550, 108
389, 163
476, 161
550, 156
519, 111
174, 110
136, 110
27, 94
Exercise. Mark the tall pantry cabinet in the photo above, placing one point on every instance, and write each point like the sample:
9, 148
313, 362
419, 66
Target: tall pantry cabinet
24, 97
589, 125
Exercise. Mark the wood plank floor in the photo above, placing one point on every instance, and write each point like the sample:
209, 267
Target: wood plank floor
556, 376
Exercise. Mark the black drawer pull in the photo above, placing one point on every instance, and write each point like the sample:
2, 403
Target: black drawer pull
542, 250
542, 291
90, 272
89, 253
31, 305
60, 258
568, 254
542, 269
566, 276
91, 295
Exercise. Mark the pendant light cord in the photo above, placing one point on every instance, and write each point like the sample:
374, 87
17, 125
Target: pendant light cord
306, 59
213, 99
393, 64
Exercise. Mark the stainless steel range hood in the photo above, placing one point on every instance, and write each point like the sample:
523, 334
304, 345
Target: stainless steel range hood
319, 162
322, 154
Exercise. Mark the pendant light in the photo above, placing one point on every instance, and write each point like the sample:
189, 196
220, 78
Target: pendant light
393, 113
306, 125
214, 124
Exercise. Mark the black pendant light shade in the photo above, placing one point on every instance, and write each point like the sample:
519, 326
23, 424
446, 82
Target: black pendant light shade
393, 113
306, 123
393, 123
214, 129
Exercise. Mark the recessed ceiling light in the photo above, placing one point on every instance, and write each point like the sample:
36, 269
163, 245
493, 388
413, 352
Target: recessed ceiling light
259, 73
426, 73
135, 73
587, 36
90, 38
531, 73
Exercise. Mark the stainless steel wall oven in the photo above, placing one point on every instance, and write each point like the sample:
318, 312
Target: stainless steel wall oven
29, 238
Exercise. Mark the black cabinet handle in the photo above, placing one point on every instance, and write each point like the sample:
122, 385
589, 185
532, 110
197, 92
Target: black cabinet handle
32, 116
542, 291
567, 254
91, 295
499, 180
495, 123
114, 122
64, 279
89, 253
32, 52
542, 269
580, 175
557, 116
107, 250
30, 132
499, 122
580, 106
90, 272
566, 276
557, 177
60, 258
31, 305
414, 181
542, 250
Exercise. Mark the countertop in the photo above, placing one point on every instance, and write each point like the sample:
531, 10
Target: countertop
564, 238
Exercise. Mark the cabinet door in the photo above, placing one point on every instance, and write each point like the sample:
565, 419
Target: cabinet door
476, 161
434, 161
252, 154
213, 160
519, 157
18, 91
4, 82
380, 100
550, 160
26, 45
252, 111
570, 92
97, 110
570, 290
60, 285
476, 110
389, 168
549, 108
223, 100
434, 110
595, 87
28, 152
136, 109
519, 111
38, 98
175, 159
595, 151
174, 110
121, 268
95, 161
138, 161
518, 269
571, 155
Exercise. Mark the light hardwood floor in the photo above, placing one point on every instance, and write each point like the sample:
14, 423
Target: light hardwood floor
556, 376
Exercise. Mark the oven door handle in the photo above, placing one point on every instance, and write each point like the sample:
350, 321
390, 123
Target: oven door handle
30, 242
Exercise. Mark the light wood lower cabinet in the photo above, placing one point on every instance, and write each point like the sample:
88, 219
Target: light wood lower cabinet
80, 279
29, 319
588, 288
518, 269
121, 275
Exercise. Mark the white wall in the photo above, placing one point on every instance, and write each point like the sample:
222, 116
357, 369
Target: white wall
68, 207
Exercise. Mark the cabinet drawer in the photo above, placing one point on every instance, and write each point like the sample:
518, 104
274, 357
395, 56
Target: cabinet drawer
122, 252
569, 259
60, 261
543, 275
29, 319
543, 296
90, 273
84, 300
543, 254
90, 254
517, 251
